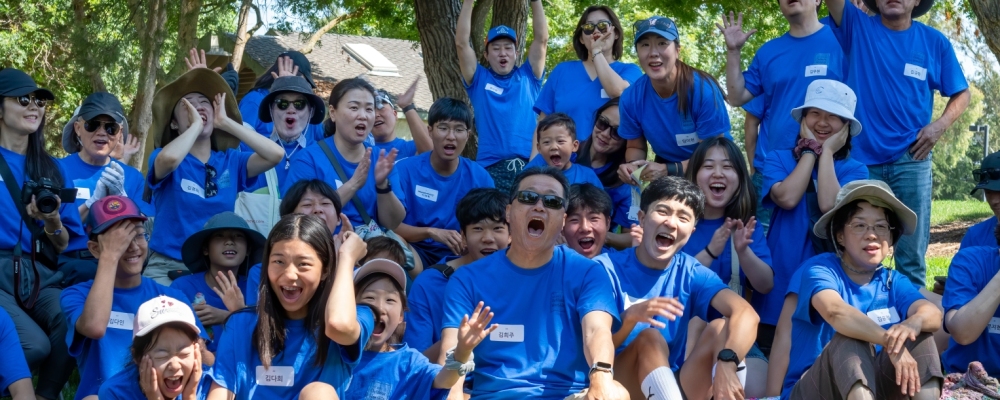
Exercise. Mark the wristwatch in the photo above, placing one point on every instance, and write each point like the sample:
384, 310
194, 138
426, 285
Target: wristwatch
408, 108
602, 367
728, 355
388, 189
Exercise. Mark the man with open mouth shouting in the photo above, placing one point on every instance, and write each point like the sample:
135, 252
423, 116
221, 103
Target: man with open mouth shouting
552, 305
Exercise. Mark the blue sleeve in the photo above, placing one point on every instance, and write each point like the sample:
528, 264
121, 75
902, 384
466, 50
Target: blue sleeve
965, 275
629, 126
904, 294
249, 107
526, 69
69, 213
72, 301
458, 299
240, 159
226, 371
759, 246
952, 79
597, 293
419, 323
253, 285
397, 186
476, 77
856, 172
705, 285
14, 367
817, 278
628, 71
755, 107
151, 174
711, 117
752, 78
352, 354
302, 167
546, 101
774, 172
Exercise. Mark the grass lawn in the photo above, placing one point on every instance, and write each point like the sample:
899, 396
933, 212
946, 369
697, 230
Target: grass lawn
946, 211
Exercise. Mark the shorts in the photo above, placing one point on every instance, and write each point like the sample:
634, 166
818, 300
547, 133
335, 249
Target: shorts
504, 173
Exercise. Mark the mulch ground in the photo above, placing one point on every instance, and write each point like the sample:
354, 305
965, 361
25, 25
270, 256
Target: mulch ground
946, 238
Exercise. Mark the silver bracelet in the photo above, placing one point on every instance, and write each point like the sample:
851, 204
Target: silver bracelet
453, 365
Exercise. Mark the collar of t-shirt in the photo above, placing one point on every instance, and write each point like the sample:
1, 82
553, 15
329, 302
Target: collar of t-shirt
301, 140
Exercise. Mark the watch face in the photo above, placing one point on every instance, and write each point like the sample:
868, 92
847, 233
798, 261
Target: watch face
728, 355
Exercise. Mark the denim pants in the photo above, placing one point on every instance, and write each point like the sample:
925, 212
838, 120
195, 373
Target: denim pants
910, 181
763, 213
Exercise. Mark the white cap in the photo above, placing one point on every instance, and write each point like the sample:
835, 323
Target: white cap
382, 266
833, 97
162, 310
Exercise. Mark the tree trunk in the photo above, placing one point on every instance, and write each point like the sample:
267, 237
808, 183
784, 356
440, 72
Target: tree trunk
316, 36
241, 33
187, 35
149, 20
988, 20
81, 10
513, 13
480, 11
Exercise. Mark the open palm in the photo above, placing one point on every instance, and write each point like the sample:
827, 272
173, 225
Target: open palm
474, 329
732, 31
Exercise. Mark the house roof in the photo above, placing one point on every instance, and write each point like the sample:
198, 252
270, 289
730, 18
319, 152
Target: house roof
331, 61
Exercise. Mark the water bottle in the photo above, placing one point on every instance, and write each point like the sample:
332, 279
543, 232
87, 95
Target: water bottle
198, 299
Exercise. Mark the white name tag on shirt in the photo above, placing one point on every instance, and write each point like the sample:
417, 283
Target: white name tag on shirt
633, 213
994, 325
494, 88
508, 333
338, 183
82, 193
275, 376
884, 316
816, 70
192, 187
120, 320
427, 193
604, 94
687, 139
915, 71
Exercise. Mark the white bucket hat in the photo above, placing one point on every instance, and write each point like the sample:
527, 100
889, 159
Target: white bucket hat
162, 310
833, 97
876, 193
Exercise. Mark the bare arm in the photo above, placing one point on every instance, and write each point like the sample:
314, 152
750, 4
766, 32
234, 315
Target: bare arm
760, 275
751, 127
598, 347
777, 365
845, 319
967, 323
827, 184
22, 390
449, 339
732, 31
924, 315
620, 241
390, 210
267, 153
220, 393
635, 149
341, 314
836, 8
112, 244
540, 43
420, 131
168, 159
466, 55
787, 193
741, 326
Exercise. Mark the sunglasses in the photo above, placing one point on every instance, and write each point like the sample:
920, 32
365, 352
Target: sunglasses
211, 189
602, 25
548, 201
603, 123
283, 104
112, 128
662, 24
28, 98
986, 174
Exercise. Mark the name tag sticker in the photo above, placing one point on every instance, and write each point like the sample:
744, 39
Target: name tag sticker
120, 320
494, 88
633, 213
508, 333
994, 325
884, 316
687, 139
275, 376
338, 183
192, 187
604, 94
427, 193
915, 71
816, 70
82, 193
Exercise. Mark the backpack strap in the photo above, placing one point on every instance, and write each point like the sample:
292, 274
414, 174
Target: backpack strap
444, 269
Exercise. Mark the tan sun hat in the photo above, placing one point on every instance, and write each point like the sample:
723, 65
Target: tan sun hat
875, 192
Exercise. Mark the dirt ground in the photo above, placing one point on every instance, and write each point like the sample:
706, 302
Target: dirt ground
946, 238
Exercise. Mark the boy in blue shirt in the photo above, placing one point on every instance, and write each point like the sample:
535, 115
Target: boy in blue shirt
101, 312
588, 217
431, 184
972, 309
384, 129
557, 142
660, 289
481, 216
988, 179
502, 95
895, 64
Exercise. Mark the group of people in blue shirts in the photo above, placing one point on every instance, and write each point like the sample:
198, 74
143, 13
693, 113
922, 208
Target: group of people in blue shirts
284, 246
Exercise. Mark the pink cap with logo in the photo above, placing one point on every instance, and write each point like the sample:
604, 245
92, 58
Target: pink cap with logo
162, 310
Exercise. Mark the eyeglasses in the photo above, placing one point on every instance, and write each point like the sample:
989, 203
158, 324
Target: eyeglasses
111, 127
663, 24
28, 98
444, 129
861, 228
548, 200
986, 174
603, 123
283, 104
211, 189
141, 238
602, 25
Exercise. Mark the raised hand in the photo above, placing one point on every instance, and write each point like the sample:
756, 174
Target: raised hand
148, 380
360, 175
743, 234
449, 238
805, 132
113, 177
127, 149
473, 330
221, 118
229, 291
406, 98
834, 143
604, 41
384, 165
192, 113
351, 246
100, 190
190, 391
667, 307
116, 241
196, 59
733, 31
721, 237
286, 67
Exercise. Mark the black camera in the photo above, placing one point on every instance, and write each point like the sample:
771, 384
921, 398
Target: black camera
47, 194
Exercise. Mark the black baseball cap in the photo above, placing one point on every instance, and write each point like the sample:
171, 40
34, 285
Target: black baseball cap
14, 83
96, 104
988, 175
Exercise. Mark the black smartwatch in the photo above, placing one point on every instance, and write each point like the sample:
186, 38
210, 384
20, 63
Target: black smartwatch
602, 367
408, 108
729, 356
388, 189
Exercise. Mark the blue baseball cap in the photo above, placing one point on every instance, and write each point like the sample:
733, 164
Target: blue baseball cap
662, 26
500, 32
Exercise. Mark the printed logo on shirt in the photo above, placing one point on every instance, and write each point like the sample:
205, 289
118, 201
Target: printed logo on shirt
275, 376
82, 193
224, 180
994, 325
915, 71
604, 94
120, 320
821, 59
494, 88
815, 70
379, 391
687, 139
508, 333
426, 193
192, 187
338, 183
884, 316
557, 302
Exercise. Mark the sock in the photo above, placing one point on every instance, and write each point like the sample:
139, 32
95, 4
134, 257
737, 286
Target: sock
661, 385
741, 372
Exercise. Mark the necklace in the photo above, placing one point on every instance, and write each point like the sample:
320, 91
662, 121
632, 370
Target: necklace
860, 272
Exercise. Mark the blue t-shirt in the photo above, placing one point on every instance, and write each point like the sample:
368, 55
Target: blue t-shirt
570, 90
252, 285
673, 135
981, 234
685, 278
429, 198
14, 367
625, 199
970, 271
788, 237
195, 283
782, 70
756, 107
894, 74
505, 122
313, 164
280, 170
10, 219
537, 352
181, 206
238, 368
85, 177
125, 386
100, 359
722, 266
406, 148
575, 174
426, 309
401, 374
249, 106
887, 303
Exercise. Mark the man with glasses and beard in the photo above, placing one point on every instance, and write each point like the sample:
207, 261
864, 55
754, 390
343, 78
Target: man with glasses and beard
555, 308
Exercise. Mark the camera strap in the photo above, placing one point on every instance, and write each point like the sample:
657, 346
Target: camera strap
36, 231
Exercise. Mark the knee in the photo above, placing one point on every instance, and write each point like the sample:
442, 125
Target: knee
36, 350
318, 391
713, 331
651, 340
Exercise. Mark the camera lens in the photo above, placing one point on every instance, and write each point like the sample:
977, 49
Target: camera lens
46, 201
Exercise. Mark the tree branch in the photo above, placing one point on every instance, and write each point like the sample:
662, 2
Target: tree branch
260, 22
315, 37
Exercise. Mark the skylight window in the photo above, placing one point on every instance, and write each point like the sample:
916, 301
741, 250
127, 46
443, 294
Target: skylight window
372, 59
